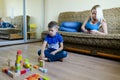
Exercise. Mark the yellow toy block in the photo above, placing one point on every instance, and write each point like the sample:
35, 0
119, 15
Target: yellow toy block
17, 61
19, 57
27, 65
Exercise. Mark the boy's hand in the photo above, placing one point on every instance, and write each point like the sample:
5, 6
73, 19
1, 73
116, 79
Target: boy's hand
53, 52
40, 58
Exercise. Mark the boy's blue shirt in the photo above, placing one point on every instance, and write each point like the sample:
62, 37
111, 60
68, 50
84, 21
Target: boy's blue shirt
53, 41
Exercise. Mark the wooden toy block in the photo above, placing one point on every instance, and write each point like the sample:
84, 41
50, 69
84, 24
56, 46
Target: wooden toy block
40, 79
27, 70
31, 68
17, 62
42, 63
35, 66
14, 71
17, 65
36, 76
26, 60
9, 60
18, 68
10, 73
45, 78
43, 70
23, 71
27, 66
19, 57
17, 71
33, 77
19, 52
5, 70
12, 68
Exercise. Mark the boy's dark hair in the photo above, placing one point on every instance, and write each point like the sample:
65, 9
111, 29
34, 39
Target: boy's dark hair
53, 24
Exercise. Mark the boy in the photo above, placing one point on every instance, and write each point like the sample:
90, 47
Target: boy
54, 40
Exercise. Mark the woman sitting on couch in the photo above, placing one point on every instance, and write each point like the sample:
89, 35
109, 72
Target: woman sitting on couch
95, 21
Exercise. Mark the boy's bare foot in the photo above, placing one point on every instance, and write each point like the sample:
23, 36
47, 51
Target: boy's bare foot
45, 59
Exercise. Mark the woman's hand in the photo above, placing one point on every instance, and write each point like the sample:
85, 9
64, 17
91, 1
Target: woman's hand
83, 25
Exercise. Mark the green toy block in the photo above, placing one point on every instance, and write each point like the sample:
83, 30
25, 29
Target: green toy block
42, 63
45, 78
26, 60
18, 68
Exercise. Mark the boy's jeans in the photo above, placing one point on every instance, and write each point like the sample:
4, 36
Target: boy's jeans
51, 57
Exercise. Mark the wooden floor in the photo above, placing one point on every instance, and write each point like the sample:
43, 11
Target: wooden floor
74, 67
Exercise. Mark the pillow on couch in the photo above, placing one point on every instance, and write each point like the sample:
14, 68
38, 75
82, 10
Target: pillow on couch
68, 29
70, 26
6, 25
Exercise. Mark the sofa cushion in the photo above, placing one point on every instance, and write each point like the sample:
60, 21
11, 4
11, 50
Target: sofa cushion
73, 25
68, 29
70, 26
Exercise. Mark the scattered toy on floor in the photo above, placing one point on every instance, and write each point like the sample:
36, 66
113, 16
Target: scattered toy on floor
36, 77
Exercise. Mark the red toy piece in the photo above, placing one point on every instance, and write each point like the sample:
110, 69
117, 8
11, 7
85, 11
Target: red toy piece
34, 77
19, 52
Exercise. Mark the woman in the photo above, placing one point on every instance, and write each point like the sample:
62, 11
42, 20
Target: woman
95, 21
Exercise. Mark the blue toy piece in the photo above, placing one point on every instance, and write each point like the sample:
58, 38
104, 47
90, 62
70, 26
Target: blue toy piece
43, 70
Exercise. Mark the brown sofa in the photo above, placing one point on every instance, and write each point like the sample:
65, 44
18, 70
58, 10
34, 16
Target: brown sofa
13, 33
100, 45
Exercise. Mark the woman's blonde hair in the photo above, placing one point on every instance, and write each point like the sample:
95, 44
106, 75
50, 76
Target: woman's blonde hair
99, 14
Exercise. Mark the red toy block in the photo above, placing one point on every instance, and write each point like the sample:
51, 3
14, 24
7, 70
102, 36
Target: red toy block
19, 52
5, 70
23, 71
8, 72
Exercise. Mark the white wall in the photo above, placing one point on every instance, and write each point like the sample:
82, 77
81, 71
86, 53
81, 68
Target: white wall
1, 8
54, 7
34, 8
13, 8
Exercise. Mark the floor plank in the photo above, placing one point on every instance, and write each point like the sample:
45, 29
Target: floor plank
74, 67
